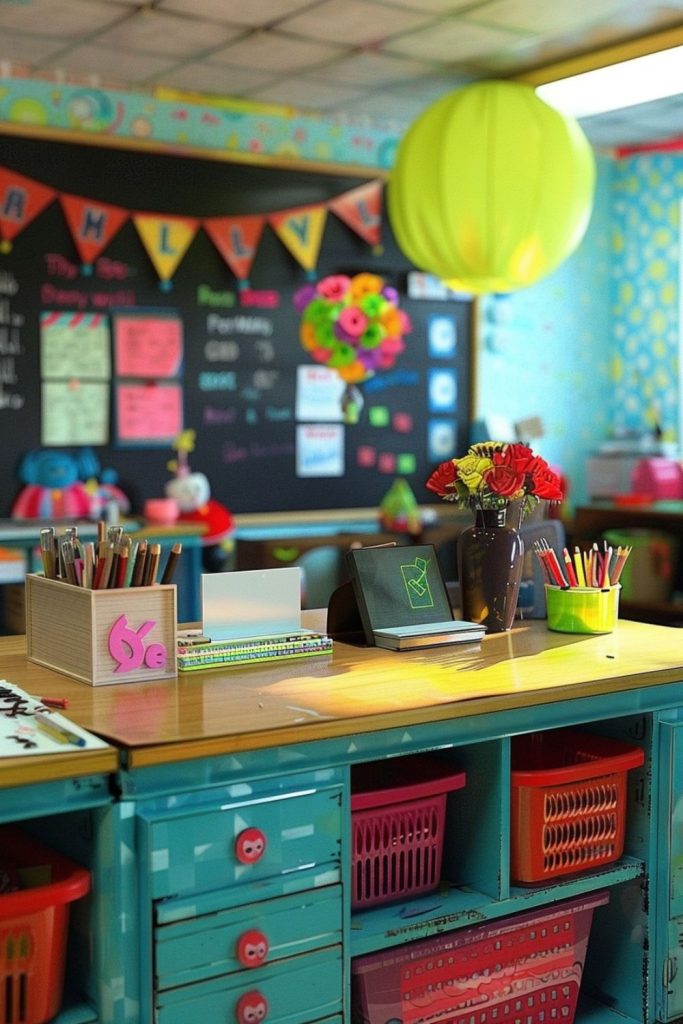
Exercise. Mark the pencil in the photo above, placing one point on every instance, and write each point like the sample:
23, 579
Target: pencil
578, 566
138, 576
152, 564
171, 562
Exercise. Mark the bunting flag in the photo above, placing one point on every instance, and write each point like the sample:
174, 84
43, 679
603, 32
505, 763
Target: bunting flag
21, 199
92, 225
361, 210
166, 240
301, 231
236, 239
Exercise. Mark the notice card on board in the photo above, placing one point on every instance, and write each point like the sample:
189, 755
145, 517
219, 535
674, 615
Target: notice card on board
148, 412
29, 727
148, 345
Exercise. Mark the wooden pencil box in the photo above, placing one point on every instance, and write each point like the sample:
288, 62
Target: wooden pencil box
123, 635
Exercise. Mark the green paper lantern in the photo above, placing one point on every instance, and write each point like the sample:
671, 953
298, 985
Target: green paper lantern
492, 188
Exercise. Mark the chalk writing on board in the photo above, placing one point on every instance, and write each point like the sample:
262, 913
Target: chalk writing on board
74, 345
148, 413
148, 345
11, 347
74, 412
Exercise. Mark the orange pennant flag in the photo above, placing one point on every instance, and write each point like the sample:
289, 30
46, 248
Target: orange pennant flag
21, 199
92, 225
361, 210
301, 231
236, 239
166, 240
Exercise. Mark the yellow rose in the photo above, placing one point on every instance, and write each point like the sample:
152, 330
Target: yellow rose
471, 469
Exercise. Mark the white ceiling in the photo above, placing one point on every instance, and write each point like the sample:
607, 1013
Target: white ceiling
383, 60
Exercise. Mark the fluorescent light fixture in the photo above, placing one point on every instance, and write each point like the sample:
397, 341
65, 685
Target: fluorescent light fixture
626, 84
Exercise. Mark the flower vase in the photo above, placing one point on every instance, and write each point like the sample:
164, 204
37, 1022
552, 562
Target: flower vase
490, 561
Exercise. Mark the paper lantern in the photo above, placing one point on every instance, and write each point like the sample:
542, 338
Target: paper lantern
492, 188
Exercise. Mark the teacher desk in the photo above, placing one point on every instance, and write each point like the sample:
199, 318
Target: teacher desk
227, 813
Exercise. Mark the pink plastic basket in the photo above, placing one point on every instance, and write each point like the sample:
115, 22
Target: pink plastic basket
398, 810
522, 968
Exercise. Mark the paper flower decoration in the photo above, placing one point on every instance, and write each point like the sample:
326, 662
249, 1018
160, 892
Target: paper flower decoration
352, 324
492, 474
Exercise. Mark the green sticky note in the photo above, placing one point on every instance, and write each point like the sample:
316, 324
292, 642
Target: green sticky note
405, 463
378, 416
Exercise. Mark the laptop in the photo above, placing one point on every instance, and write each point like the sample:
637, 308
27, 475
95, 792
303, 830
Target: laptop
402, 598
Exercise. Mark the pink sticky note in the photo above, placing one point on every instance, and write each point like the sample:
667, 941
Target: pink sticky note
148, 346
402, 422
366, 456
148, 412
386, 462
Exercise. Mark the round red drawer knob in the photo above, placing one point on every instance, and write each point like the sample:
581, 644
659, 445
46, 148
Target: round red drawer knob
252, 1008
252, 948
250, 846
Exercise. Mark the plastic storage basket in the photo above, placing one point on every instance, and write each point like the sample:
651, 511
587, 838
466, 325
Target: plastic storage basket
33, 927
398, 810
524, 968
568, 800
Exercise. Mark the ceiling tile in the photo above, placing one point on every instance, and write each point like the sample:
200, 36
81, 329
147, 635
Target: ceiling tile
28, 49
237, 12
150, 31
550, 18
430, 6
112, 65
277, 52
297, 92
219, 79
61, 19
453, 41
372, 69
353, 22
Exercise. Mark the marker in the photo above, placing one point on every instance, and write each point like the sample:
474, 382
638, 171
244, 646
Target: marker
54, 702
58, 732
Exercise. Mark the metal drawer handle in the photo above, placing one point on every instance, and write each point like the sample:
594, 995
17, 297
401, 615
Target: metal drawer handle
250, 845
252, 1008
252, 948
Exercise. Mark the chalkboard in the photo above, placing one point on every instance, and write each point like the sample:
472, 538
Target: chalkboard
238, 378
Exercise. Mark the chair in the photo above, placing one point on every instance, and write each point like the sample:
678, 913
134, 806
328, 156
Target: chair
531, 602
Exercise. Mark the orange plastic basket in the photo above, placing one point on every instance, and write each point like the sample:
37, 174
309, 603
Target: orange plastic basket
33, 929
398, 810
568, 802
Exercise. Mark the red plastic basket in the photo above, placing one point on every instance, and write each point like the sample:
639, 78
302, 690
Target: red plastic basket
33, 930
523, 968
568, 799
398, 809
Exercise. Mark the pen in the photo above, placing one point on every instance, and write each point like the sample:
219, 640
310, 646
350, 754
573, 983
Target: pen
54, 702
58, 732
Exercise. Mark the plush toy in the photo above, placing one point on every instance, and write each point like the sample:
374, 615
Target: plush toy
61, 484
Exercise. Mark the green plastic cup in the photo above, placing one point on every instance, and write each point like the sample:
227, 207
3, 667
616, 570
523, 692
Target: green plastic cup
582, 609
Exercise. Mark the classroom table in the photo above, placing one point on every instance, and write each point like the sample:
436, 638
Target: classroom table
229, 811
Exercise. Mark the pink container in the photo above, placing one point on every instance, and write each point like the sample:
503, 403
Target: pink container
161, 511
527, 967
398, 810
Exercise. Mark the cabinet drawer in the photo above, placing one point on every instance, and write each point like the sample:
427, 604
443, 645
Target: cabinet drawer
247, 938
243, 842
294, 991
672, 762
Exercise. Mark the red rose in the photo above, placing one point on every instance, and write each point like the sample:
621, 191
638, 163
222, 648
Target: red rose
517, 456
504, 480
442, 480
545, 483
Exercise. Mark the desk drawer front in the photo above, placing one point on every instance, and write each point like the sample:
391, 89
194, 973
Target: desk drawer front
241, 843
295, 991
247, 938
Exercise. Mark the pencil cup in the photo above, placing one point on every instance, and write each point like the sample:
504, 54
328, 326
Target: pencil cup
123, 635
582, 609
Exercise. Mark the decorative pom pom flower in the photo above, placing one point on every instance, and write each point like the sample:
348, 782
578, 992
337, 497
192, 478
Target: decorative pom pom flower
352, 324
494, 473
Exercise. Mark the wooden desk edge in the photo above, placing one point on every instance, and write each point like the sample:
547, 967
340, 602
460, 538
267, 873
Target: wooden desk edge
22, 771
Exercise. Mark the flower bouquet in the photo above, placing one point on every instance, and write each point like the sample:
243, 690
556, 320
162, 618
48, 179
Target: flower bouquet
491, 476
494, 473
352, 324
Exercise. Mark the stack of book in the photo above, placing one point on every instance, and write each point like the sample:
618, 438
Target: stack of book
251, 650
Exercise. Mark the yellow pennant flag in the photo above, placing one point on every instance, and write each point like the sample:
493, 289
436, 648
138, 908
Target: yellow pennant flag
166, 240
301, 231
